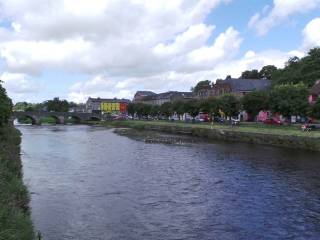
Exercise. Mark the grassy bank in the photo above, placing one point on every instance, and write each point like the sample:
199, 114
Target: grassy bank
15, 221
283, 136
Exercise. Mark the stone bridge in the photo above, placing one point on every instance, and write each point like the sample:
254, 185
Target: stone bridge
60, 117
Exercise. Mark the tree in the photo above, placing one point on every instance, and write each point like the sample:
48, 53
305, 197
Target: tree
289, 100
166, 109
139, 109
192, 107
202, 85
254, 102
5, 106
268, 71
229, 105
57, 105
179, 108
315, 109
155, 111
131, 109
305, 70
210, 106
253, 74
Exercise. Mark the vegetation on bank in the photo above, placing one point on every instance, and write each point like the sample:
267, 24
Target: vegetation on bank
282, 136
257, 128
15, 220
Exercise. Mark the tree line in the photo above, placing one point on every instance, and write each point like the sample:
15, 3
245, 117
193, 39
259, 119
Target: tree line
5, 106
286, 99
304, 70
54, 105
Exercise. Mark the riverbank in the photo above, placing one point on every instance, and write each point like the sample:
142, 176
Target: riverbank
15, 220
281, 136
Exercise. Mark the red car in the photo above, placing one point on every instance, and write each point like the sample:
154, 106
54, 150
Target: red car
272, 121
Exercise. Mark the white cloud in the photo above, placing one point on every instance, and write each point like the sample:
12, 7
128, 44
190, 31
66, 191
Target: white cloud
19, 83
311, 34
281, 11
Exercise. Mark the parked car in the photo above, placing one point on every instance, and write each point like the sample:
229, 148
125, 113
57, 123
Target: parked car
272, 121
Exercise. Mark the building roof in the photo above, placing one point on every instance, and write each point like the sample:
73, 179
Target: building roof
247, 85
112, 100
169, 95
316, 88
144, 93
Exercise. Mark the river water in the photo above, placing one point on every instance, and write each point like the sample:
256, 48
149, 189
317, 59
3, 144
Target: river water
88, 183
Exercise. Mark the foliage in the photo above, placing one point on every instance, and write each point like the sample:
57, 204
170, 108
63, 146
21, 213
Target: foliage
192, 107
315, 110
229, 105
254, 102
206, 84
289, 100
267, 72
57, 105
179, 108
155, 111
166, 109
305, 70
5, 106
131, 109
15, 220
253, 74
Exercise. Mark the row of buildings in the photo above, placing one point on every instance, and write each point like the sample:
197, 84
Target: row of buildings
238, 87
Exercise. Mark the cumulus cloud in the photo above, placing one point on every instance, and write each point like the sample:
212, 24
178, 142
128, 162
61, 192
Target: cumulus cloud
311, 34
281, 10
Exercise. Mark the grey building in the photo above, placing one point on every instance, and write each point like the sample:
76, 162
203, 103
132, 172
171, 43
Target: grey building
161, 98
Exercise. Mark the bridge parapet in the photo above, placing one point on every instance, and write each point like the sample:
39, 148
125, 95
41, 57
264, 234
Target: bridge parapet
61, 117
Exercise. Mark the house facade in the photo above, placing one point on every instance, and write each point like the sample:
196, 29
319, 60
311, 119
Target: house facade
140, 95
105, 105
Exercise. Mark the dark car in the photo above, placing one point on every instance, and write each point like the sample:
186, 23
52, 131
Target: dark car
219, 119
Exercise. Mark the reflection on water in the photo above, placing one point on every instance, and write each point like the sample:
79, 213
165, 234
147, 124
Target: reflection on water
89, 183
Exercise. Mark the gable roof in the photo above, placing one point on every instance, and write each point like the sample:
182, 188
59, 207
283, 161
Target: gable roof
316, 88
247, 85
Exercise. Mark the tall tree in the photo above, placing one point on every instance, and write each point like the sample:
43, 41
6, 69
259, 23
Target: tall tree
229, 105
57, 105
254, 102
315, 109
305, 70
268, 71
202, 85
5, 106
131, 109
251, 74
192, 107
166, 109
290, 100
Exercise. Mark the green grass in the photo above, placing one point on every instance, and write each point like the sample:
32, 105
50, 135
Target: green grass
15, 221
293, 130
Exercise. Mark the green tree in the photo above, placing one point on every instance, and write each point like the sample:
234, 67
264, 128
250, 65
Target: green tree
305, 70
268, 71
5, 106
229, 105
251, 74
192, 107
139, 109
131, 109
210, 106
166, 109
179, 108
315, 109
254, 102
290, 100
57, 105
155, 111
202, 85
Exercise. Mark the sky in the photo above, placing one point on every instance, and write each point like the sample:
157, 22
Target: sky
75, 49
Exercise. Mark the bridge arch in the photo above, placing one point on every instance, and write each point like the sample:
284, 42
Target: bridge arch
74, 119
34, 119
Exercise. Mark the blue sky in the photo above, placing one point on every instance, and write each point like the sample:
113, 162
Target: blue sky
74, 49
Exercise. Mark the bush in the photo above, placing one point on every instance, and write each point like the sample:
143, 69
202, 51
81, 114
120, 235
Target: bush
5, 106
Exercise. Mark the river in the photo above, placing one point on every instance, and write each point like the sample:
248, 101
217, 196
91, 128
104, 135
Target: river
88, 183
